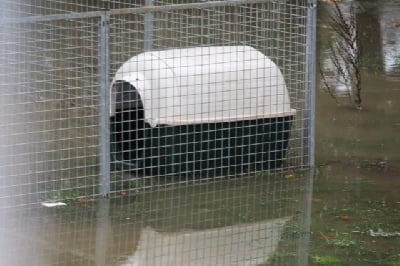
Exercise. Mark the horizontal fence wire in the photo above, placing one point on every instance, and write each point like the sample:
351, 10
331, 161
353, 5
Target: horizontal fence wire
49, 93
192, 118
276, 30
206, 24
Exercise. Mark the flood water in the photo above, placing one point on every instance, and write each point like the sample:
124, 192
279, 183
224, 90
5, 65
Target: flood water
214, 223
357, 174
357, 179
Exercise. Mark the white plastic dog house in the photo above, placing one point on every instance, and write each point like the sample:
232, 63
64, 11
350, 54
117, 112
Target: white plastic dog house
204, 108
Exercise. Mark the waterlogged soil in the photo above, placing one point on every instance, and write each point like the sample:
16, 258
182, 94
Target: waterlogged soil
356, 196
355, 215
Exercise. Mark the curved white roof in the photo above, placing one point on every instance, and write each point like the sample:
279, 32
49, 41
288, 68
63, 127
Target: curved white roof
205, 85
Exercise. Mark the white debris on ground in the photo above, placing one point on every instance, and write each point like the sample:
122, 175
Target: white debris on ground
53, 204
380, 233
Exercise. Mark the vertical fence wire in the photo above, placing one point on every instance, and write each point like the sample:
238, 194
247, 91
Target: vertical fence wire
52, 83
194, 118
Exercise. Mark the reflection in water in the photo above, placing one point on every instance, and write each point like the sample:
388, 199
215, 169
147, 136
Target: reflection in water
248, 218
370, 38
338, 85
232, 245
344, 56
241, 221
380, 38
390, 38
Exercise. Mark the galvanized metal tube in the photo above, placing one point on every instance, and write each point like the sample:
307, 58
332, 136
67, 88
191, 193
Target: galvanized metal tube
40, 18
309, 108
104, 106
309, 133
148, 28
133, 10
311, 63
166, 8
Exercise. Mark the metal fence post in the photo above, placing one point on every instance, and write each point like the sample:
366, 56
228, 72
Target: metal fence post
104, 103
310, 83
148, 28
309, 132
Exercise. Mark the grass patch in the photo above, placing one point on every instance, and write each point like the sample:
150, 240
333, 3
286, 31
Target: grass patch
63, 195
325, 260
345, 212
280, 258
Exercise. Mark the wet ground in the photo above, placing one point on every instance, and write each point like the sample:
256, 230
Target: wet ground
211, 223
356, 198
355, 215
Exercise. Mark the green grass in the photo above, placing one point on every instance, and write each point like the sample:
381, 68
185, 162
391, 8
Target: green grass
325, 260
345, 210
63, 195
280, 257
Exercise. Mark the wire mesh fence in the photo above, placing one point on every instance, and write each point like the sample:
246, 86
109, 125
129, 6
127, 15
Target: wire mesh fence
225, 70
194, 118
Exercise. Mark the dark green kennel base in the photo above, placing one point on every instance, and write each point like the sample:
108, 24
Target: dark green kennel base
213, 148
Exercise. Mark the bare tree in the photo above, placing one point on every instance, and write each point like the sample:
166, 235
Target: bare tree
346, 53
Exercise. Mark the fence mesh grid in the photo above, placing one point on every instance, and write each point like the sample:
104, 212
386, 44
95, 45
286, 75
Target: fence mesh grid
242, 26
191, 117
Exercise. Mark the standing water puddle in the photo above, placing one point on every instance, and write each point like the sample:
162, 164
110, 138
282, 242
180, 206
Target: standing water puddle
254, 219
230, 222
356, 198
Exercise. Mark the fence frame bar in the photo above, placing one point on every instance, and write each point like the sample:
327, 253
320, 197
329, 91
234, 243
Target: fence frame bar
148, 28
130, 10
309, 132
104, 106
